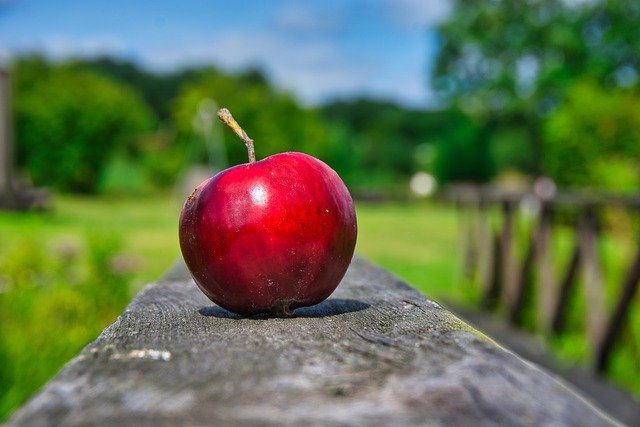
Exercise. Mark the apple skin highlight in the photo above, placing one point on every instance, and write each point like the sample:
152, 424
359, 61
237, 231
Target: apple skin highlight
269, 236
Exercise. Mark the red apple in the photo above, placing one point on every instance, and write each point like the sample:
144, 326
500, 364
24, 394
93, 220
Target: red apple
269, 235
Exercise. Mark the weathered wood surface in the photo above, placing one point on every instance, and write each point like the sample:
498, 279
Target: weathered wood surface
611, 398
376, 353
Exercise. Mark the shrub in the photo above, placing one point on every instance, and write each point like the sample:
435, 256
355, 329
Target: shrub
52, 303
594, 138
463, 154
70, 121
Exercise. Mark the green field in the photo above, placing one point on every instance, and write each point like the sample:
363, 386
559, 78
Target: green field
417, 242
67, 273
56, 267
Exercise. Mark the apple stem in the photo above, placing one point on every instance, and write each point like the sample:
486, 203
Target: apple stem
225, 117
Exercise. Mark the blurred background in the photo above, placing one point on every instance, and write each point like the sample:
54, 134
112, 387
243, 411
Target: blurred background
111, 111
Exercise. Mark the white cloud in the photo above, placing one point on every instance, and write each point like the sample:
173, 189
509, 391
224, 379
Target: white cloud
315, 70
59, 46
315, 66
312, 69
419, 13
302, 19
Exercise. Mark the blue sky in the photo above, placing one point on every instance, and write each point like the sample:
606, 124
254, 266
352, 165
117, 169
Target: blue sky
318, 49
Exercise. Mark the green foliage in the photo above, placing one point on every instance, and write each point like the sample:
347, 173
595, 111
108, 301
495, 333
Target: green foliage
70, 121
593, 139
274, 119
382, 141
52, 303
160, 90
463, 160
511, 149
463, 154
79, 139
488, 47
508, 64
66, 274
125, 176
160, 158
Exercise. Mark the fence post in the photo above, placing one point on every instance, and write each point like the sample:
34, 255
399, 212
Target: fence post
14, 194
508, 260
536, 248
468, 234
592, 276
7, 193
547, 292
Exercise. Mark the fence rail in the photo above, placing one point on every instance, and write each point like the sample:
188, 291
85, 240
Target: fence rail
506, 278
376, 353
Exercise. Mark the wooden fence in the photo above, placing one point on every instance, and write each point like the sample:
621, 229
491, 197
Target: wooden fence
15, 193
376, 353
512, 279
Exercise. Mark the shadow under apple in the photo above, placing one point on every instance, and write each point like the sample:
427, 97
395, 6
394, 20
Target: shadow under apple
327, 308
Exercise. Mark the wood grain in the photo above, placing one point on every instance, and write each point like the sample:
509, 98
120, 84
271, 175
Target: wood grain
376, 353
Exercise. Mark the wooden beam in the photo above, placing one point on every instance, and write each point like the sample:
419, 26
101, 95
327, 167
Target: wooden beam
14, 194
547, 292
592, 277
7, 194
376, 353
485, 249
509, 261
468, 224
524, 282
492, 283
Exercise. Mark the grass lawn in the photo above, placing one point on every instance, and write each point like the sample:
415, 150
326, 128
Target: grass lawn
416, 242
147, 229
67, 273
57, 267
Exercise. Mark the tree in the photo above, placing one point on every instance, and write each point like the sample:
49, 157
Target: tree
159, 90
69, 122
380, 139
593, 139
274, 119
507, 63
